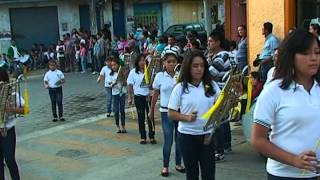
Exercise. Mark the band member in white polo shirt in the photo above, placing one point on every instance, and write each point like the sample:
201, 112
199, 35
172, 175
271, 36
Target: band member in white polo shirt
163, 85
139, 90
289, 107
193, 96
53, 81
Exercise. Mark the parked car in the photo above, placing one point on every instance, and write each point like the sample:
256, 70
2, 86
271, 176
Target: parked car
180, 32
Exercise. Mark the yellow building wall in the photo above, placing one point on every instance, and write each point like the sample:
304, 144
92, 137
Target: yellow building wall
259, 12
185, 11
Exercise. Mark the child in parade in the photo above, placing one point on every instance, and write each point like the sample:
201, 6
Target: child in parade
119, 91
8, 134
53, 81
193, 96
163, 85
288, 108
139, 90
105, 73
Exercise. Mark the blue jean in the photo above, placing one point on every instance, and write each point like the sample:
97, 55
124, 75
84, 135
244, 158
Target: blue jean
108, 91
264, 70
242, 62
118, 107
169, 126
83, 63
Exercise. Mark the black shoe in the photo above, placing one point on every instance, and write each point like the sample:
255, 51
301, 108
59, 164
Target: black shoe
164, 173
119, 131
153, 141
219, 157
54, 119
123, 131
181, 169
109, 115
143, 141
61, 119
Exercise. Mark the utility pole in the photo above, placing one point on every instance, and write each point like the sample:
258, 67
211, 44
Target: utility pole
207, 16
93, 17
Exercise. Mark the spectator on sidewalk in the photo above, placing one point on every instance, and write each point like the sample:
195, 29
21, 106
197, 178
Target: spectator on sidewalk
271, 43
105, 73
83, 56
241, 54
315, 29
53, 81
60, 50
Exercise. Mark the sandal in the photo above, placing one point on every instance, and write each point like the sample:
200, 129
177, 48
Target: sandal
181, 169
164, 173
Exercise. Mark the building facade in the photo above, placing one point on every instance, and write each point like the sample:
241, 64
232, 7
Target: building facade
45, 21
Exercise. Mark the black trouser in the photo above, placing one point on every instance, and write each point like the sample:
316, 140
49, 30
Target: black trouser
264, 68
7, 153
223, 137
56, 99
195, 153
272, 177
143, 108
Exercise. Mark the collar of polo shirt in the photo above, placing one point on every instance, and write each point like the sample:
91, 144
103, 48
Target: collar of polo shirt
294, 84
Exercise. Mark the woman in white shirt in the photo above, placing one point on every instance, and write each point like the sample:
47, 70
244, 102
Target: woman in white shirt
192, 97
139, 90
8, 134
289, 108
119, 91
163, 85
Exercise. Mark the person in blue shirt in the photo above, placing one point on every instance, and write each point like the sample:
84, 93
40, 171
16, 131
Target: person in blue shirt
271, 43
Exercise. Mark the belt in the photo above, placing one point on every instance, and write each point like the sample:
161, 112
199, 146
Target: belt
163, 107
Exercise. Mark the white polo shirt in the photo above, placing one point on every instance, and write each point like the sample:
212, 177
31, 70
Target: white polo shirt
105, 71
165, 83
136, 80
11, 118
293, 115
53, 78
193, 100
118, 88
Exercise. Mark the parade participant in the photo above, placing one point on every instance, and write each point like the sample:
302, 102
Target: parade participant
8, 134
289, 107
139, 90
53, 81
119, 90
220, 64
193, 96
163, 85
105, 73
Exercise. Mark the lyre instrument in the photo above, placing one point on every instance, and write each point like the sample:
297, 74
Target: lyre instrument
10, 93
227, 100
124, 68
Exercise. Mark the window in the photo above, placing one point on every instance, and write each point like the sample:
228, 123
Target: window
174, 30
198, 27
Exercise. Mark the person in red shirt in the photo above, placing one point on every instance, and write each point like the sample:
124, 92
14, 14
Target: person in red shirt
257, 84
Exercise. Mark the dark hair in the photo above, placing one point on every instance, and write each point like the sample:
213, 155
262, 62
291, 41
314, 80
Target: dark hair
255, 75
316, 27
108, 59
163, 39
268, 26
4, 76
52, 61
172, 36
233, 44
136, 62
185, 74
152, 37
219, 36
195, 43
116, 60
299, 41
243, 26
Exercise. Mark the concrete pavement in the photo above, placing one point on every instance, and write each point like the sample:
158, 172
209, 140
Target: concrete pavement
87, 147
